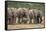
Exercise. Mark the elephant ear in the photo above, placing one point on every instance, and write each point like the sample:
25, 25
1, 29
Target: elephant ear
9, 11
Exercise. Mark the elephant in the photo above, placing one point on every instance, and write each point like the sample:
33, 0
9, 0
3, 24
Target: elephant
31, 15
19, 14
9, 15
25, 15
38, 16
22, 13
14, 15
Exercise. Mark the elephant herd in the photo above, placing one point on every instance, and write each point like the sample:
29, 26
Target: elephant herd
23, 15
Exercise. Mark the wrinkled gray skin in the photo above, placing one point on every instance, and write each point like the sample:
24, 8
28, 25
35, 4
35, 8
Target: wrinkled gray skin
31, 15
36, 15
14, 16
11, 15
26, 16
21, 13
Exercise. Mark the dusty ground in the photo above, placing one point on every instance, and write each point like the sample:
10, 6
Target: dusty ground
20, 26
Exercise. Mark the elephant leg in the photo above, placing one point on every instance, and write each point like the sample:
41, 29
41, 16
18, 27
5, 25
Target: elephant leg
15, 20
10, 21
25, 22
7, 21
37, 19
30, 21
22, 20
40, 19
19, 20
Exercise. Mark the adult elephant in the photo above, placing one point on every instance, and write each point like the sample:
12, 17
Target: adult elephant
9, 15
38, 16
25, 15
14, 15
21, 14
31, 15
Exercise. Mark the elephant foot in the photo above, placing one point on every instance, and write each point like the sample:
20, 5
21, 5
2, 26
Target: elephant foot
30, 23
10, 23
36, 23
19, 23
25, 23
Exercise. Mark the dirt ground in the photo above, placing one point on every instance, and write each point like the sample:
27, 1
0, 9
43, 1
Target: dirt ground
21, 26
